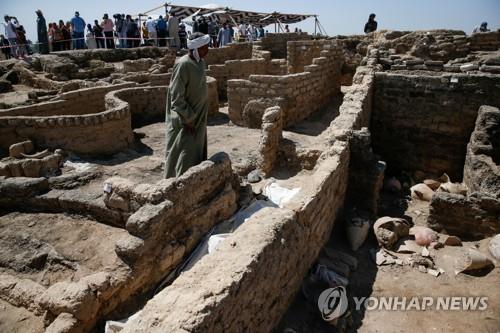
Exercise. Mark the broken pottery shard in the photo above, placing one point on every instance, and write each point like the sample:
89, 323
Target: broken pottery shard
423, 236
407, 246
357, 231
455, 188
422, 192
389, 229
494, 247
471, 260
444, 178
433, 184
433, 272
382, 257
452, 241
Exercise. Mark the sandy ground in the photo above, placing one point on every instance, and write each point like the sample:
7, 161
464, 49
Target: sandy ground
370, 280
18, 320
18, 96
48, 248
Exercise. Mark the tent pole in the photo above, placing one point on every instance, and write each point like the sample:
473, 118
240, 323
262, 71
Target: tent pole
140, 30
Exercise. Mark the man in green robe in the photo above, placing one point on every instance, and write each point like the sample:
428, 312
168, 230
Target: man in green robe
187, 108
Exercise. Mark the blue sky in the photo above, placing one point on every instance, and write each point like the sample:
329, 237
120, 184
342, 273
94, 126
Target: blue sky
338, 17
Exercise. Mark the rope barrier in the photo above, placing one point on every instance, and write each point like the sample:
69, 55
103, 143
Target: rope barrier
85, 38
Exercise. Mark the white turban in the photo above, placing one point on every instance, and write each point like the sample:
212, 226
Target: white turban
195, 44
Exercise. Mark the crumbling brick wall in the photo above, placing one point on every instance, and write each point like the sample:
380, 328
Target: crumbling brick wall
82, 57
147, 105
471, 217
236, 69
88, 131
232, 51
78, 102
304, 93
485, 41
482, 162
164, 221
477, 214
271, 134
277, 43
302, 53
261, 268
424, 122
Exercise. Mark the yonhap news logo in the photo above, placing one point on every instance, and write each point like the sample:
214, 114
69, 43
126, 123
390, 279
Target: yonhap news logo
333, 303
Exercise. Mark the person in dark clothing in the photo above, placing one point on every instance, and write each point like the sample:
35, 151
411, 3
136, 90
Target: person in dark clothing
66, 44
371, 25
130, 31
98, 34
41, 29
161, 26
137, 33
203, 26
5, 43
183, 36
195, 25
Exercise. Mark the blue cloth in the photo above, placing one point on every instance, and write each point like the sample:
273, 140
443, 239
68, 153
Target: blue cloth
78, 41
224, 36
161, 25
78, 24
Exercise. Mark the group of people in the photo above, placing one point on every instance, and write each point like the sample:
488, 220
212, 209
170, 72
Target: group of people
13, 43
122, 31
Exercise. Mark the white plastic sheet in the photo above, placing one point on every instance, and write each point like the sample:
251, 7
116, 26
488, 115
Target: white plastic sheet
278, 194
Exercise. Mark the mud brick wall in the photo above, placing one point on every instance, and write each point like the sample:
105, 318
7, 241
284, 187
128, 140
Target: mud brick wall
259, 63
302, 53
78, 102
277, 43
236, 69
485, 41
160, 79
471, 217
147, 105
82, 57
231, 51
425, 122
482, 162
304, 93
258, 268
166, 221
91, 131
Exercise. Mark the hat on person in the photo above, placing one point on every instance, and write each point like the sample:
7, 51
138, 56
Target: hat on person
196, 41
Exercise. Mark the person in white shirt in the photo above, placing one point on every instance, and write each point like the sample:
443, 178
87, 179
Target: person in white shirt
173, 29
151, 26
10, 33
242, 31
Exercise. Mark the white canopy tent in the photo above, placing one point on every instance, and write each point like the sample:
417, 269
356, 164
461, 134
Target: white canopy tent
225, 14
